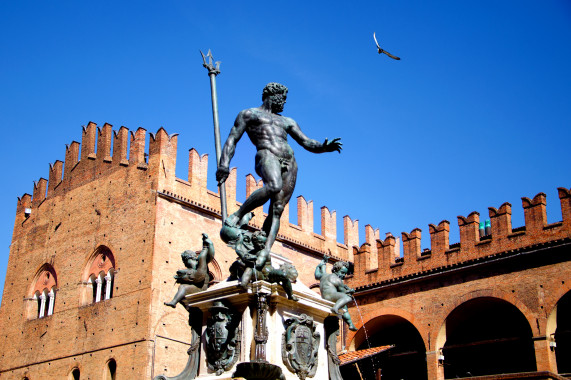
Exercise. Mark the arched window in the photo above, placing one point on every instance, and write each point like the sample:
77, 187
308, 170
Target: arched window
99, 275
110, 370
43, 292
74, 375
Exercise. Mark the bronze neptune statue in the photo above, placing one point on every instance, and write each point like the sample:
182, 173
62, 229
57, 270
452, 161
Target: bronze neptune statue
275, 162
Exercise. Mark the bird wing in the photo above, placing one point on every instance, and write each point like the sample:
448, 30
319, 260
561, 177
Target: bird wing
377, 42
390, 55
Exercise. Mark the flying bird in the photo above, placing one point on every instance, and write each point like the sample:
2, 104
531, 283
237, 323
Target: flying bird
384, 51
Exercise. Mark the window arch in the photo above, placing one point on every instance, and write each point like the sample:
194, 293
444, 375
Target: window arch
74, 374
99, 276
110, 370
43, 292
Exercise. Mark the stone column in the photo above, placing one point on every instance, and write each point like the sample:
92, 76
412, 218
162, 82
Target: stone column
99, 283
42, 305
52, 297
108, 285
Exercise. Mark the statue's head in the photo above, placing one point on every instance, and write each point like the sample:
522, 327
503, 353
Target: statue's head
275, 95
290, 271
190, 259
259, 239
340, 268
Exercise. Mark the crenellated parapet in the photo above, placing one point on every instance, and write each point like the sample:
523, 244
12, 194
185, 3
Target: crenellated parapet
104, 151
474, 245
92, 159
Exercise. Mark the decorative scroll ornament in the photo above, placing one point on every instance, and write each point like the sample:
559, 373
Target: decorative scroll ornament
222, 338
300, 344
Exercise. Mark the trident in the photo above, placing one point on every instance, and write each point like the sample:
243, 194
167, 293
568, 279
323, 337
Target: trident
212, 72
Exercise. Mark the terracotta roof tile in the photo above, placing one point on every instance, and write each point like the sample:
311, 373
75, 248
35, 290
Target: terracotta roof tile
353, 356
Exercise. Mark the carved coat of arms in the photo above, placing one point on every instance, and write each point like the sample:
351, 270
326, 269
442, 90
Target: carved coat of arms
300, 344
222, 338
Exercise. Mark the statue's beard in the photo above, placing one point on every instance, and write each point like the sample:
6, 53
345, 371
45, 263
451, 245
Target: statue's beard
277, 105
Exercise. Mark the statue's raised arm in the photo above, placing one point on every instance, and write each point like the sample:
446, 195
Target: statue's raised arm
320, 270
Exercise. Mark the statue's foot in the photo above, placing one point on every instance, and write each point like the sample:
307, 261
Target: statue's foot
293, 298
232, 220
352, 327
173, 305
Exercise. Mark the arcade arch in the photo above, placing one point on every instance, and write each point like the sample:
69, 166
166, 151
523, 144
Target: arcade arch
561, 337
486, 336
405, 360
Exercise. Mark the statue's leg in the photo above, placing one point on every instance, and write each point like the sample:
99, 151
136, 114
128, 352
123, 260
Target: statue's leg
349, 321
246, 277
288, 289
268, 167
278, 202
343, 300
180, 294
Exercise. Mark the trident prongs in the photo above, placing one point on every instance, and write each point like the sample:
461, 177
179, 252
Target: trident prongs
211, 68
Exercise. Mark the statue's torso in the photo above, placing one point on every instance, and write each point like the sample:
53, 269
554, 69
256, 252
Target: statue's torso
329, 285
269, 131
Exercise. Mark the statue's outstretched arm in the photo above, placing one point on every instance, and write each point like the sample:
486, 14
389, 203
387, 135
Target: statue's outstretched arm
230, 146
312, 145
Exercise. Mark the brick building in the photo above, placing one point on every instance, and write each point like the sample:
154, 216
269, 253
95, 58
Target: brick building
95, 248
497, 302
96, 245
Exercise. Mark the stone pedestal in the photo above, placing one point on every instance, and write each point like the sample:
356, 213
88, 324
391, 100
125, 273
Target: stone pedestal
255, 344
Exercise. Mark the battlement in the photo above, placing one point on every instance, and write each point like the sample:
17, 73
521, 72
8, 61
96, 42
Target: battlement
92, 159
473, 245
103, 151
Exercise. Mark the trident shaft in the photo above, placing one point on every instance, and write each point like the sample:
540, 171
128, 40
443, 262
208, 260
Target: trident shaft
213, 70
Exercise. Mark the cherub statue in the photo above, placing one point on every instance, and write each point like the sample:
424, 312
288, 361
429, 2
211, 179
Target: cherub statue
254, 261
333, 289
194, 278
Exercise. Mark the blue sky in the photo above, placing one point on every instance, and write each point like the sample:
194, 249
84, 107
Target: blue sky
476, 113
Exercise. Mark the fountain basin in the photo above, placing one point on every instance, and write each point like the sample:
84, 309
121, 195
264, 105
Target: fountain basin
258, 371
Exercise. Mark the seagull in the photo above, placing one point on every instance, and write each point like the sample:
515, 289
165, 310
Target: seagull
384, 51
